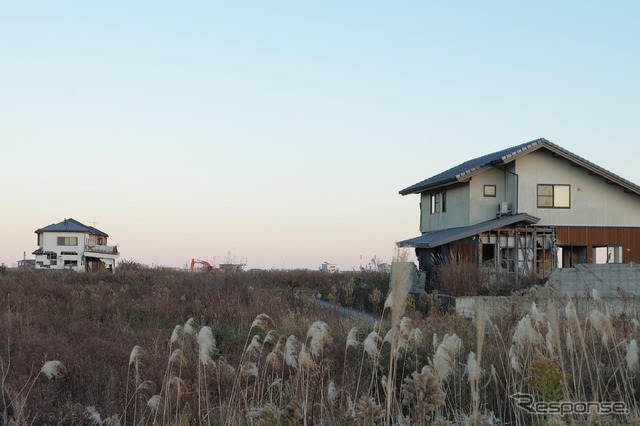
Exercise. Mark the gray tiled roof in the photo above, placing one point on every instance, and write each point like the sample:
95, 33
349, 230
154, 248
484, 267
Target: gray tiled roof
71, 225
461, 171
438, 238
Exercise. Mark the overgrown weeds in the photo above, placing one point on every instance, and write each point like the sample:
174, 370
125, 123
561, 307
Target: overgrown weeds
161, 347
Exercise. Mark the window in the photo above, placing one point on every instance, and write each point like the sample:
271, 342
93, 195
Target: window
489, 190
53, 258
67, 241
70, 263
439, 202
554, 196
610, 254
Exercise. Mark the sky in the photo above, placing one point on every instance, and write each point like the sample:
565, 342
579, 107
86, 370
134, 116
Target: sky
281, 132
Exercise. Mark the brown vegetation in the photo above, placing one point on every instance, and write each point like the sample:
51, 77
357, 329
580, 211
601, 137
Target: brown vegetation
145, 346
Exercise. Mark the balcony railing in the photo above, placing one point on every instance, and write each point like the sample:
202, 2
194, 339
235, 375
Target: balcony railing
101, 249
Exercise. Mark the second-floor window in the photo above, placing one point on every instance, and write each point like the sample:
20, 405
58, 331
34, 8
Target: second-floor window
489, 191
439, 202
554, 196
67, 241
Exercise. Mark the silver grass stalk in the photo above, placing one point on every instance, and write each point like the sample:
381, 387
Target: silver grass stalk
93, 415
252, 369
174, 355
332, 393
271, 338
608, 328
389, 335
188, 327
370, 344
262, 322
473, 368
400, 286
596, 297
569, 343
154, 403
176, 333
319, 334
133, 356
304, 359
474, 372
352, 338
405, 326
632, 356
444, 357
415, 336
206, 344
290, 352
548, 339
54, 369
272, 359
513, 360
255, 345
536, 315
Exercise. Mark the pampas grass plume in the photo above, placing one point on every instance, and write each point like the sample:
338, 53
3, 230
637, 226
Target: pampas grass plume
54, 369
371, 344
188, 327
135, 353
255, 345
206, 344
570, 345
262, 322
304, 359
177, 332
92, 415
290, 352
319, 334
332, 393
352, 338
445, 355
154, 403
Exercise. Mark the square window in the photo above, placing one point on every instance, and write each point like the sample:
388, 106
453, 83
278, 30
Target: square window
489, 190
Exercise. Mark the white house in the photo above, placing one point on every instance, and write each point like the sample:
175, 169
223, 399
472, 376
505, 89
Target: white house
72, 245
329, 267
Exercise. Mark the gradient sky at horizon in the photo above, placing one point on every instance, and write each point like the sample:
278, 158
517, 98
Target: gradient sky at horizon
283, 131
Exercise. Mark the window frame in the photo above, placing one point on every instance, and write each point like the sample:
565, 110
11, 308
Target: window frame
487, 193
64, 241
553, 196
438, 202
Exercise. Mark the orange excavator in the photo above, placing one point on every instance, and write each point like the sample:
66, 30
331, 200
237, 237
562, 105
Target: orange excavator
204, 266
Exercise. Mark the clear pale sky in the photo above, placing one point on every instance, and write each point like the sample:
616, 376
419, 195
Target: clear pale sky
283, 131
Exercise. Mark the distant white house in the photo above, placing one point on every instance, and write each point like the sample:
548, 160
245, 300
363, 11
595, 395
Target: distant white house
329, 267
72, 245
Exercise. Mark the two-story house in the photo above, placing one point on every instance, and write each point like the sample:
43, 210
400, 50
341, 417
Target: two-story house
71, 245
527, 210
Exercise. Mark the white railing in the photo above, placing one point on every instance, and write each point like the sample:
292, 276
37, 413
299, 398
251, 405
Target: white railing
101, 249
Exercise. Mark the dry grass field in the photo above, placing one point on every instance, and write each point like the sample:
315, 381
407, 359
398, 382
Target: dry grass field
147, 346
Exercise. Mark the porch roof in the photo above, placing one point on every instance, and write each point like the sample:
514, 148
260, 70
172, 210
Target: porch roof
438, 238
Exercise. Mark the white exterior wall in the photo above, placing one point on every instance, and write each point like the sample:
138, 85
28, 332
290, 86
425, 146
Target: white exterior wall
456, 214
593, 201
49, 242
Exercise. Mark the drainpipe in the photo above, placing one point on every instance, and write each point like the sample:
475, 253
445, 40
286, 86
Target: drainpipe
515, 200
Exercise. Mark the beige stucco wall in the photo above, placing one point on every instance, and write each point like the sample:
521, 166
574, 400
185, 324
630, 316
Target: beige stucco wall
593, 201
485, 208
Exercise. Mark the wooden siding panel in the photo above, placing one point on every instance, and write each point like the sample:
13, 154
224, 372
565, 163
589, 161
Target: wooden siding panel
628, 238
